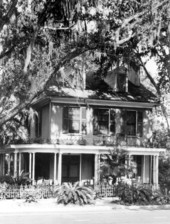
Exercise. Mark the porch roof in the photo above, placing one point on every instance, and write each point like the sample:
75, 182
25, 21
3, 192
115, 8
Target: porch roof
78, 149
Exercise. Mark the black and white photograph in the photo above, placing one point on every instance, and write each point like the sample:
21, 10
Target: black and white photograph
84, 111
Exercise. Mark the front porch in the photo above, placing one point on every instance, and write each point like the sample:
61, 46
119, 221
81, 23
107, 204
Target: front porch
63, 163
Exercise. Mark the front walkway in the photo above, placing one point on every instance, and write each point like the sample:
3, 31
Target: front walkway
50, 205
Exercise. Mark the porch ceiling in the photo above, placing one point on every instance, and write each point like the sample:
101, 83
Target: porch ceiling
83, 149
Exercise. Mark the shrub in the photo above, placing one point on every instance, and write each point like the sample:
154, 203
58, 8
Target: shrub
7, 179
131, 194
22, 178
164, 172
140, 195
30, 198
74, 194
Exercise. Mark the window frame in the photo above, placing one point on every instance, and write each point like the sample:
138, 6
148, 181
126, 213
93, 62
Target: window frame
109, 133
136, 123
80, 120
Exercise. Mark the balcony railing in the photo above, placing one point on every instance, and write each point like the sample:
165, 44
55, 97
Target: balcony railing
98, 140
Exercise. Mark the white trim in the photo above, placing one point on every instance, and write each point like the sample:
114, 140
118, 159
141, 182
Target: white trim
33, 166
55, 167
84, 149
15, 164
59, 168
98, 102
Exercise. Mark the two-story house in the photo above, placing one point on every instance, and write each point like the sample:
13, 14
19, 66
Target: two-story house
75, 126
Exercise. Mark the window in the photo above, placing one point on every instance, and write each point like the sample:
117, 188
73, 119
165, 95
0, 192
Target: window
131, 123
38, 124
140, 124
134, 123
104, 121
121, 82
74, 120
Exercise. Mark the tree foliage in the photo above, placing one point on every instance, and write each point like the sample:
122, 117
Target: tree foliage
113, 165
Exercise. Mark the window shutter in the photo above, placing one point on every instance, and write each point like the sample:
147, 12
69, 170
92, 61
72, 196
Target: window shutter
140, 124
123, 122
65, 120
83, 120
112, 121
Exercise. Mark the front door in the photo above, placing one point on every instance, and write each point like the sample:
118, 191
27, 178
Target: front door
70, 168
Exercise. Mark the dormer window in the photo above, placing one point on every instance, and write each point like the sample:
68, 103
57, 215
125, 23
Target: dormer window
118, 79
121, 82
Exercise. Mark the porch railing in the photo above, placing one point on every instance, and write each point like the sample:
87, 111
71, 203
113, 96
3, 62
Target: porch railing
97, 140
48, 191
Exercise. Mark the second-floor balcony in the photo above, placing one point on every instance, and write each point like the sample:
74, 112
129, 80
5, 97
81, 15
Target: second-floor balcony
96, 140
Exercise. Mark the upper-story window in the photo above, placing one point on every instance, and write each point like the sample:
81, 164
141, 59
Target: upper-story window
74, 120
134, 123
104, 121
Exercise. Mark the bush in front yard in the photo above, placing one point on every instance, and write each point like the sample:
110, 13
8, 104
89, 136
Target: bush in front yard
6, 179
21, 179
140, 195
69, 193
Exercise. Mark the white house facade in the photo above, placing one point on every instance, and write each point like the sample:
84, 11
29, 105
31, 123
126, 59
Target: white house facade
74, 127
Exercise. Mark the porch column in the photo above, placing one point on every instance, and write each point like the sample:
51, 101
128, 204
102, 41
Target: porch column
30, 165
15, 164
9, 164
19, 163
55, 167
33, 167
59, 167
3, 163
157, 171
80, 168
96, 168
144, 169
151, 170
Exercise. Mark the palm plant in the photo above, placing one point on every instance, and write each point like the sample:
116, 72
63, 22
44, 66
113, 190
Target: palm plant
22, 178
69, 193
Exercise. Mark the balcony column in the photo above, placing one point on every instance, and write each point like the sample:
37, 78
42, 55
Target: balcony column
55, 167
33, 167
20, 163
30, 165
96, 168
15, 163
59, 167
